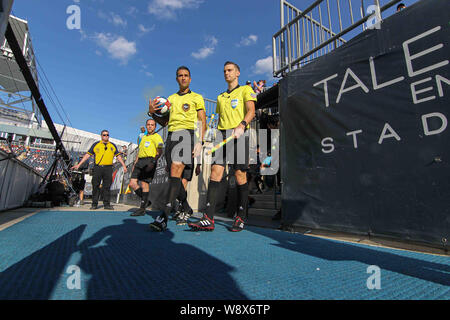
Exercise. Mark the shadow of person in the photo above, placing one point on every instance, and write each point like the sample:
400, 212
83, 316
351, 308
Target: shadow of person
338, 251
128, 261
35, 276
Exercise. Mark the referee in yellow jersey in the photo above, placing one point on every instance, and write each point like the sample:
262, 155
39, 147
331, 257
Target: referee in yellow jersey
236, 109
104, 152
150, 149
187, 110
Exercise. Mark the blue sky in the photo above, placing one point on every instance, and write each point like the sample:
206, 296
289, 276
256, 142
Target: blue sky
128, 50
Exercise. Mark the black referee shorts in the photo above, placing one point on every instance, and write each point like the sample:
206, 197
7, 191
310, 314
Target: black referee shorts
235, 153
79, 184
144, 170
174, 151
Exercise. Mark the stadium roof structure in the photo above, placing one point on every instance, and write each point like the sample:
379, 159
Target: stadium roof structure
15, 94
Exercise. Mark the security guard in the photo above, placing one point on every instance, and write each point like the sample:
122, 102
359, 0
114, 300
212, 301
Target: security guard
150, 149
187, 109
236, 109
104, 152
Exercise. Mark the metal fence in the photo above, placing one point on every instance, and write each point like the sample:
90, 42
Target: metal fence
17, 182
316, 31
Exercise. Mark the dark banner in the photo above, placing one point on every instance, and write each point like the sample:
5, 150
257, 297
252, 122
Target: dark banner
365, 136
159, 188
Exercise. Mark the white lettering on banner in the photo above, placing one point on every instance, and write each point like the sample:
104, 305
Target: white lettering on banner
377, 86
415, 92
331, 146
425, 118
440, 79
358, 81
389, 132
325, 87
390, 135
422, 90
353, 133
409, 66
409, 58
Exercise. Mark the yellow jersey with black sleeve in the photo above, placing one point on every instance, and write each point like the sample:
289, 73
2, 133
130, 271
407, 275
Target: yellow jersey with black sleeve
103, 153
149, 145
183, 112
231, 106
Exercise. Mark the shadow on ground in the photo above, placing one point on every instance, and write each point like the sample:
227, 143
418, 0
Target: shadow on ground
125, 261
401, 263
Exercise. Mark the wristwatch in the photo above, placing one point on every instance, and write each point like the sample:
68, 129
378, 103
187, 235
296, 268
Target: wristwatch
244, 123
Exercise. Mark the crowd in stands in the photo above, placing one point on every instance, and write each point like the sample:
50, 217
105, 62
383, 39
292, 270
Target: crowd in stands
39, 159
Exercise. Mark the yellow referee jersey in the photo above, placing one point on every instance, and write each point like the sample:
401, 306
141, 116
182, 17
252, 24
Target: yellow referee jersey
149, 145
103, 153
183, 113
231, 106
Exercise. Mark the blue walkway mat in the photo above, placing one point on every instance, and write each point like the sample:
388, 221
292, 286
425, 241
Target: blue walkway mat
117, 257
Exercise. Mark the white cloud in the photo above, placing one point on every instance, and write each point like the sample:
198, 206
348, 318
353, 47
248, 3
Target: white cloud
207, 50
263, 66
143, 30
118, 47
83, 35
117, 20
166, 9
113, 18
248, 41
132, 11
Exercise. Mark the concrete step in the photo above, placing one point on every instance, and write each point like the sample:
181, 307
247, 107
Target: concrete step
262, 212
266, 204
265, 197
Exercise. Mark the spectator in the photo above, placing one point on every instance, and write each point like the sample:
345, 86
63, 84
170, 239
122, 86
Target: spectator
400, 7
260, 86
141, 135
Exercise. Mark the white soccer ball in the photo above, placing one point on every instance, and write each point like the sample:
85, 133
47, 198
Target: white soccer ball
165, 106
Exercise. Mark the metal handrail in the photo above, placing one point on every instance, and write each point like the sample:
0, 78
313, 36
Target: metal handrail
319, 41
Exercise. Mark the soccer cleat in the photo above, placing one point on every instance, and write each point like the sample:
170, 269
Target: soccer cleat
108, 207
138, 212
94, 207
177, 215
238, 225
183, 218
205, 224
159, 224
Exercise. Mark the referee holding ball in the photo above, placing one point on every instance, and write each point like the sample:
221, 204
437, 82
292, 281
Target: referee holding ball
187, 110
